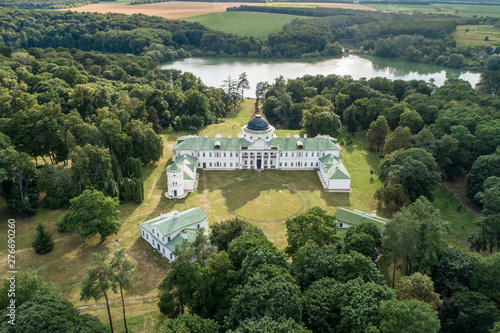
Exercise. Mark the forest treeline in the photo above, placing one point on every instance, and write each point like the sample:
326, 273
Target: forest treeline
47, 4
98, 110
455, 123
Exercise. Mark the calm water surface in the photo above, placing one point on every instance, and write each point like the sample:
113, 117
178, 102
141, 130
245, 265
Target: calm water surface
213, 71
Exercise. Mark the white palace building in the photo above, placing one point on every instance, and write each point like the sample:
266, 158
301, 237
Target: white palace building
257, 147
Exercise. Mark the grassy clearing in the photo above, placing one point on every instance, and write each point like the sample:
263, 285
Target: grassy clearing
466, 10
461, 220
474, 35
245, 24
71, 255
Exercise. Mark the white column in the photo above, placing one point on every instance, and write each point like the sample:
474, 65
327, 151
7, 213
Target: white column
255, 161
269, 160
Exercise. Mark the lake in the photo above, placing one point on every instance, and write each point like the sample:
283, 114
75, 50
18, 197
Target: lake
213, 70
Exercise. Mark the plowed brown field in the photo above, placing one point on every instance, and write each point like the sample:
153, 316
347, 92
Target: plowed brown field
183, 9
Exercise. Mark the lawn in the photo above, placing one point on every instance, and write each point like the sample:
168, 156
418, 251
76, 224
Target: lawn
474, 35
221, 195
466, 10
245, 24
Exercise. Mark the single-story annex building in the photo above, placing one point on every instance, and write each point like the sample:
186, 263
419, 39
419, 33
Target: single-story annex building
167, 230
346, 218
256, 147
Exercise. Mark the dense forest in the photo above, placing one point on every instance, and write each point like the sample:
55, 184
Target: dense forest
411, 37
100, 110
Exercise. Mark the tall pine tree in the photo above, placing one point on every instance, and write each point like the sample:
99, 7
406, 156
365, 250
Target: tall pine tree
43, 243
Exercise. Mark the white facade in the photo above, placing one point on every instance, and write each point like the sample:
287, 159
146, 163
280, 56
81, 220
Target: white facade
257, 147
166, 231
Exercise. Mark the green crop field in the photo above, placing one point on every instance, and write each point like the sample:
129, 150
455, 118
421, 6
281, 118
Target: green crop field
467, 10
474, 35
246, 24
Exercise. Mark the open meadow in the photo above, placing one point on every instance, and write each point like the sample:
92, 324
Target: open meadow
466, 10
245, 24
221, 195
474, 35
184, 9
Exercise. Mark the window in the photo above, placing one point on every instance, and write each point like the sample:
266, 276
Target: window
316, 164
143, 234
280, 163
203, 154
147, 236
209, 154
236, 164
224, 154
198, 154
286, 154
224, 164
170, 256
168, 239
230, 154
163, 239
285, 163
236, 154
158, 235
198, 226
281, 154
341, 225
231, 164
153, 242
292, 154
210, 164
163, 251
250, 138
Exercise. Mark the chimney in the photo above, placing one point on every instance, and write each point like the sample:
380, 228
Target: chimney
206, 136
288, 136
305, 136
374, 213
229, 136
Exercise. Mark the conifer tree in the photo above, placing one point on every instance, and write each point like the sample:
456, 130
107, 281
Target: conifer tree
43, 243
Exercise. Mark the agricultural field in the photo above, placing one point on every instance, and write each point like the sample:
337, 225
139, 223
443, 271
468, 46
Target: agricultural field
245, 24
184, 9
221, 195
474, 35
466, 10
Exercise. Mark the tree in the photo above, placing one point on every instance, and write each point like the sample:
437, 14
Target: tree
411, 119
377, 133
468, 311
393, 193
263, 297
120, 271
58, 184
315, 224
399, 139
97, 281
420, 287
483, 168
224, 232
415, 235
241, 246
29, 285
268, 324
419, 174
44, 242
350, 119
364, 238
190, 323
260, 92
53, 314
19, 181
90, 214
353, 306
91, 168
259, 260
452, 273
243, 84
146, 144
490, 196
407, 316
312, 263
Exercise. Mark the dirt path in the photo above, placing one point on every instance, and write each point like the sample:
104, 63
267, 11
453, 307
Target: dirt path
464, 202
183, 9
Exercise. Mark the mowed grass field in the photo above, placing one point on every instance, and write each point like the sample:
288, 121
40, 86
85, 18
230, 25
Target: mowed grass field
245, 24
219, 193
466, 10
474, 35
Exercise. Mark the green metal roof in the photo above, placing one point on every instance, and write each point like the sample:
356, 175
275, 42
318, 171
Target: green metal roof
174, 221
190, 235
355, 217
334, 167
197, 143
185, 163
